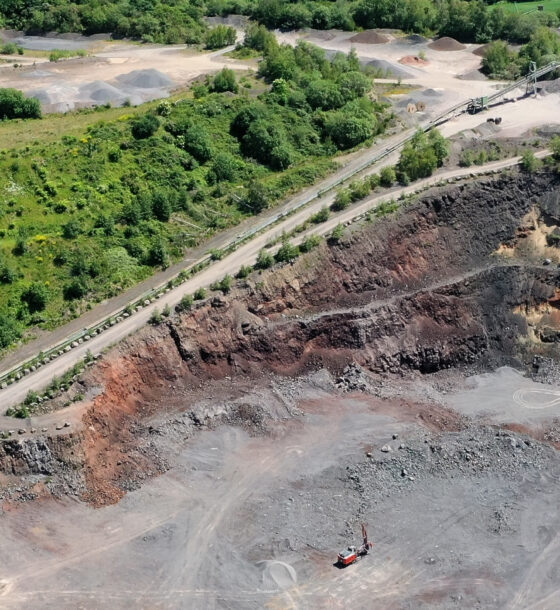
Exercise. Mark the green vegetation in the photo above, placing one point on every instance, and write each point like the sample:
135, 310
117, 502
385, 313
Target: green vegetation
421, 156
179, 21
219, 37
10, 48
14, 105
84, 217
529, 162
58, 54
542, 48
526, 6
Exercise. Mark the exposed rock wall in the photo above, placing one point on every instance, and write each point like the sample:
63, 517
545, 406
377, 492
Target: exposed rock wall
420, 290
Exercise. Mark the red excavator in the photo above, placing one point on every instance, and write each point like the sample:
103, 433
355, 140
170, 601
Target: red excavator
352, 554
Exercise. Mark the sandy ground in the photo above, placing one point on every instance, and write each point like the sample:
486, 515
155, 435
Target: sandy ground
256, 522
112, 73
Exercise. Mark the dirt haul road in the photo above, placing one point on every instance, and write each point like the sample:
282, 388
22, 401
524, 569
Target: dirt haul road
247, 254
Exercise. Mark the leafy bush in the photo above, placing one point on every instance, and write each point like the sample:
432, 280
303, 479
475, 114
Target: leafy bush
264, 260
184, 304
219, 37
422, 155
9, 330
145, 126
14, 105
35, 297
225, 81
286, 253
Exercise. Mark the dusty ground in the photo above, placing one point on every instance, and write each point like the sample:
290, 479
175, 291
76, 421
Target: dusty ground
224, 458
113, 72
246, 520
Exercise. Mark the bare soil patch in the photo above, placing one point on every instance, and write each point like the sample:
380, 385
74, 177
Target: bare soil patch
413, 60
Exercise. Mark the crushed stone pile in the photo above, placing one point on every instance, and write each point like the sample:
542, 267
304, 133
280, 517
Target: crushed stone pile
391, 69
145, 79
446, 44
369, 37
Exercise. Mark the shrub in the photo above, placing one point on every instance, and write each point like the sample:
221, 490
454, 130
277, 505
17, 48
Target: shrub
71, 230
219, 37
200, 294
145, 127
184, 304
337, 234
286, 253
14, 105
9, 331
76, 289
387, 176
155, 318
243, 272
341, 201
529, 162
257, 198
166, 311
35, 297
225, 81
321, 216
310, 242
264, 260
20, 248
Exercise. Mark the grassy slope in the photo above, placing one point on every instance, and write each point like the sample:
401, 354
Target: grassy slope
59, 170
550, 6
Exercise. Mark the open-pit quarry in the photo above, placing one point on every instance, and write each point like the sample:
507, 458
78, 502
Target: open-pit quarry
406, 377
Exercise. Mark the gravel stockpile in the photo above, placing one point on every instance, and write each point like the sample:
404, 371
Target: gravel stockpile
391, 69
446, 44
370, 37
145, 79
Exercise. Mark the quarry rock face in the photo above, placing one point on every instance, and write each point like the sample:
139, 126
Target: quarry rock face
419, 291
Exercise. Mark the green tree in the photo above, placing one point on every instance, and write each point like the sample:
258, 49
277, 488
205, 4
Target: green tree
35, 297
145, 126
555, 147
219, 37
225, 81
14, 105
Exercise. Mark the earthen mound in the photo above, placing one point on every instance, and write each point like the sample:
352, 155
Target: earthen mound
481, 51
413, 60
146, 79
446, 44
416, 39
369, 37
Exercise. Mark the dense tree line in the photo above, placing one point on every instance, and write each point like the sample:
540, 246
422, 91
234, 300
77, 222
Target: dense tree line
500, 61
174, 21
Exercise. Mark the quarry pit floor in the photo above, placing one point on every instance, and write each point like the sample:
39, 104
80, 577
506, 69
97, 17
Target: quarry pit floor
253, 518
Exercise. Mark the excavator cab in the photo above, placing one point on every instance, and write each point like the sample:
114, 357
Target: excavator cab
348, 556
